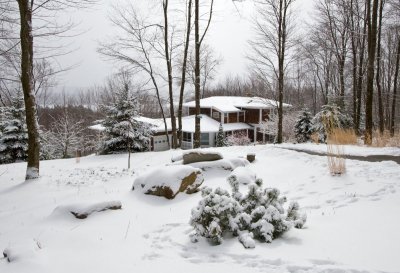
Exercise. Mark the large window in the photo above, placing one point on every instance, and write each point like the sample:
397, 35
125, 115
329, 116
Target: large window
187, 137
204, 139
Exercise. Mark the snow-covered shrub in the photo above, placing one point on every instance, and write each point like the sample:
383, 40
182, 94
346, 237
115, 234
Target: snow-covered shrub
220, 141
214, 214
303, 126
238, 139
14, 133
257, 215
329, 118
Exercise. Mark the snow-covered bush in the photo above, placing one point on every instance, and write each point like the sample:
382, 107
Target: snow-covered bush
220, 141
122, 132
14, 133
270, 126
257, 215
238, 139
303, 126
329, 118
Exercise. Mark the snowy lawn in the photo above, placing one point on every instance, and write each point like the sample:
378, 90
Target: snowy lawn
353, 221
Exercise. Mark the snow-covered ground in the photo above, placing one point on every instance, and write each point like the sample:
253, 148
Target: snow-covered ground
353, 221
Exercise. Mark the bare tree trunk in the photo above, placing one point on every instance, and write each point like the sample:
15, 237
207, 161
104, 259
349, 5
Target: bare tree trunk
372, 33
184, 65
169, 69
26, 36
196, 141
396, 80
198, 42
378, 71
360, 77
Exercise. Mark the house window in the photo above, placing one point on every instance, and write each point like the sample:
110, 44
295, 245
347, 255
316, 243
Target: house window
215, 115
187, 137
204, 139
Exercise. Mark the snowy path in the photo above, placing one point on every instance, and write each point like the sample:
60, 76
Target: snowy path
352, 220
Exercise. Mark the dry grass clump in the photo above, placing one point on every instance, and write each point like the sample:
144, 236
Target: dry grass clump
336, 160
385, 140
335, 151
342, 136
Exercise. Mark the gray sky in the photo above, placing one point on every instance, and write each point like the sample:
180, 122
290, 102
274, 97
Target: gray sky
228, 35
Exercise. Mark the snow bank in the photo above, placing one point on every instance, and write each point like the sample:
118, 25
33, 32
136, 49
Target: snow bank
348, 149
21, 251
244, 175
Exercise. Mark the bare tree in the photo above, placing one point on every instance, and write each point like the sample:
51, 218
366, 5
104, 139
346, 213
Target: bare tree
372, 17
271, 46
184, 66
198, 42
136, 47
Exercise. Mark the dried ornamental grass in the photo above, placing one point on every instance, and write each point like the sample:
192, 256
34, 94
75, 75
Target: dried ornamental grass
336, 160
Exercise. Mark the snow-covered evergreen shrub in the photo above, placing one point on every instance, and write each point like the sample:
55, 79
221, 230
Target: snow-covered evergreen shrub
303, 126
214, 213
238, 139
328, 118
257, 215
14, 135
220, 142
122, 132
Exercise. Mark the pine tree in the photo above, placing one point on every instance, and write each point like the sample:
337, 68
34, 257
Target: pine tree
221, 142
122, 132
329, 118
14, 136
303, 126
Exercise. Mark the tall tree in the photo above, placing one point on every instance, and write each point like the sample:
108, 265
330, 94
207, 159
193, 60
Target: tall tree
372, 18
197, 87
169, 72
274, 39
184, 66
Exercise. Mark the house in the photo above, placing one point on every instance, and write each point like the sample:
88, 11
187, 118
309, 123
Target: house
236, 114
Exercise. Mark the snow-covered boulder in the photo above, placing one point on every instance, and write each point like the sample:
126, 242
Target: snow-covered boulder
82, 211
224, 164
168, 181
200, 156
26, 250
243, 175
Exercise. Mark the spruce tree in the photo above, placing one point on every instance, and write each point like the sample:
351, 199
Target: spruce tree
14, 136
303, 126
122, 132
221, 142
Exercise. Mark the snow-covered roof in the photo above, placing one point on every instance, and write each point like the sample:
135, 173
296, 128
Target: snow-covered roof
209, 125
233, 104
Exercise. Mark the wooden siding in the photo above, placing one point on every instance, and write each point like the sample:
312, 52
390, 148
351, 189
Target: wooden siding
252, 116
204, 111
233, 117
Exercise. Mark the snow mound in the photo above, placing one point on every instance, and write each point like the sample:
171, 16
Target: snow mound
21, 251
244, 175
168, 181
82, 211
224, 164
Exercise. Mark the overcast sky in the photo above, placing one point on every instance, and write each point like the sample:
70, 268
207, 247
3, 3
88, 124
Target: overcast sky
228, 35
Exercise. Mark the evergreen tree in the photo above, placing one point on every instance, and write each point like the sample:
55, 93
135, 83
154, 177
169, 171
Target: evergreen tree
329, 118
221, 142
14, 136
303, 126
122, 132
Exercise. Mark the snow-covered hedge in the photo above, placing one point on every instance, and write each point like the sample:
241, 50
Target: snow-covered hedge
257, 215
